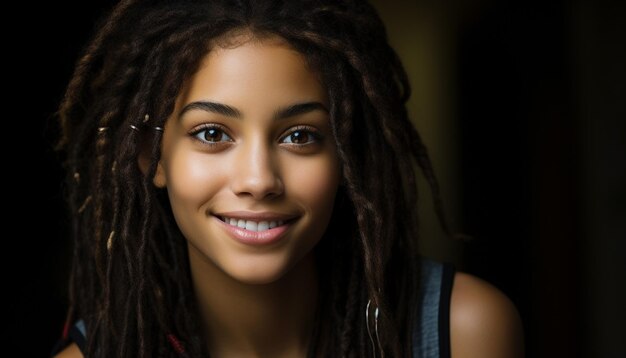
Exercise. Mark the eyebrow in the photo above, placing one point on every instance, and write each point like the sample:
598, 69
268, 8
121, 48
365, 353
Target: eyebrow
211, 107
226, 110
298, 109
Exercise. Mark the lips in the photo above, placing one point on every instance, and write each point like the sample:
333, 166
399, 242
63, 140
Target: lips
255, 228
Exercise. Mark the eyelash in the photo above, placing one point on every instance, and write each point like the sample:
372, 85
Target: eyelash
311, 131
206, 127
317, 137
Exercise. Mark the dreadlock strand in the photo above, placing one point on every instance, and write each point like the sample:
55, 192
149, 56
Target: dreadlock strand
351, 308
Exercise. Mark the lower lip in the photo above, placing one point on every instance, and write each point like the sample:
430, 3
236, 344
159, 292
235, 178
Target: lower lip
255, 238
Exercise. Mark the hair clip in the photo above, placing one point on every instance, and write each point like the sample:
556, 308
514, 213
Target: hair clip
135, 128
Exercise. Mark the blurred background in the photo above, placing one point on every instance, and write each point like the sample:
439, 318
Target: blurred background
522, 106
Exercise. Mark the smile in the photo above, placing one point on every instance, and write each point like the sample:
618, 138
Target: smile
255, 228
251, 225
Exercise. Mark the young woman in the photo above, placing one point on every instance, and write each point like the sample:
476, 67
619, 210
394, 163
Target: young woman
241, 185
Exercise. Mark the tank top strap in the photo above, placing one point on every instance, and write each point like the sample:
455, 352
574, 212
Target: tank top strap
431, 332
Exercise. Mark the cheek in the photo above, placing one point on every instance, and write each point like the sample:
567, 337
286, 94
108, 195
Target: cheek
315, 182
192, 179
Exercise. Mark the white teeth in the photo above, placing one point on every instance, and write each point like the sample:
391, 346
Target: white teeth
253, 225
263, 225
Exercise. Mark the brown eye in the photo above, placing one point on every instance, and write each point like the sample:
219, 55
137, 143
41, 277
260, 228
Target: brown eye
300, 136
212, 135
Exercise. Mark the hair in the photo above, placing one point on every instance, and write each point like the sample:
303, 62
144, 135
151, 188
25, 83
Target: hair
130, 279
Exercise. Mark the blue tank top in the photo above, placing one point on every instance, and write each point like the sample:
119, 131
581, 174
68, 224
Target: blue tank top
431, 333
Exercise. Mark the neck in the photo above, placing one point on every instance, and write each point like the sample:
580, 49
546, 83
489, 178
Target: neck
256, 320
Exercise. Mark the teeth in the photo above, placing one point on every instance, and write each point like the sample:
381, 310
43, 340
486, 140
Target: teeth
253, 225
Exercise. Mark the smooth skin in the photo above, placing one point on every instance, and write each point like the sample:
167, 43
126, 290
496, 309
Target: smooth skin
271, 149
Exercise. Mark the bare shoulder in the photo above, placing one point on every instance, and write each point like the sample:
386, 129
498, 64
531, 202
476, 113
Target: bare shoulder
70, 351
483, 321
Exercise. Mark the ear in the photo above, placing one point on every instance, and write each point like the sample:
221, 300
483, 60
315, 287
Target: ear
159, 179
143, 161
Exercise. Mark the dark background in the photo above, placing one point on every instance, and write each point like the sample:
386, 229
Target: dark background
541, 116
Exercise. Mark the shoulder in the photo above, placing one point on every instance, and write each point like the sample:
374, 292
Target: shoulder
483, 321
71, 351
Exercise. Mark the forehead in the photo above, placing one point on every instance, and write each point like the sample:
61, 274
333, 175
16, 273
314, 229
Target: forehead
243, 67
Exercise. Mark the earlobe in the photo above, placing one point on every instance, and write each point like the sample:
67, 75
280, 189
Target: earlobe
159, 176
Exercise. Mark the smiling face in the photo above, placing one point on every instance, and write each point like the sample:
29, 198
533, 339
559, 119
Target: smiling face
249, 161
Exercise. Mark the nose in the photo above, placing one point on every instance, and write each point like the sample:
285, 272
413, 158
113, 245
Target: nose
256, 172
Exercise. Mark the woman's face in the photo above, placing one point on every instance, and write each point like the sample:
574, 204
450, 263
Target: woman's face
249, 161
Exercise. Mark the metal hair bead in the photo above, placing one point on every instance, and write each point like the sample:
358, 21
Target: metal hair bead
133, 127
103, 129
84, 205
146, 118
110, 241
158, 129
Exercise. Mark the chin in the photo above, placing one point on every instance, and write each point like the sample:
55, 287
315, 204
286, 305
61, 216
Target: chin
266, 270
256, 276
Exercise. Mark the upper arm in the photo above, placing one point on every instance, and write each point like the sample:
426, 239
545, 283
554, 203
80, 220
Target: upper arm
71, 351
483, 321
